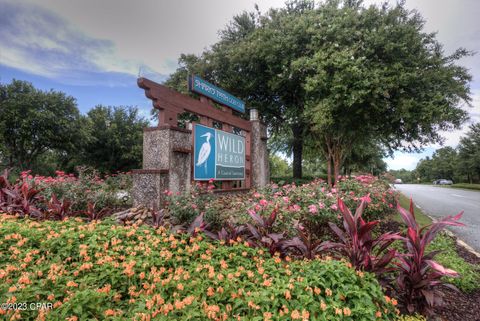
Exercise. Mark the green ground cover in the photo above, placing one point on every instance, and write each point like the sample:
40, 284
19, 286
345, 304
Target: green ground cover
103, 271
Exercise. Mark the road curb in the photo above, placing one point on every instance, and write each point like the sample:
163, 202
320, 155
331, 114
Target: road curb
459, 241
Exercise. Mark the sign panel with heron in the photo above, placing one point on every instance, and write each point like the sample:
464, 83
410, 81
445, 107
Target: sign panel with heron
218, 154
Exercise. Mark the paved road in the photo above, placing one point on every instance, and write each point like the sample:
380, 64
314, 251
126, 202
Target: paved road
441, 201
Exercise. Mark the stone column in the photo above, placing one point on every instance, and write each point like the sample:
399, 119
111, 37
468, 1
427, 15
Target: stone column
259, 152
166, 165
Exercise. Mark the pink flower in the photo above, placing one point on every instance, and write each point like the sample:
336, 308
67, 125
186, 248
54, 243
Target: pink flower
323, 189
286, 200
321, 205
366, 198
312, 209
390, 205
296, 208
334, 207
167, 192
257, 195
263, 202
334, 190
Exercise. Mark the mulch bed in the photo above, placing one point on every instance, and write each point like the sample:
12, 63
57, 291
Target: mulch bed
459, 306
468, 256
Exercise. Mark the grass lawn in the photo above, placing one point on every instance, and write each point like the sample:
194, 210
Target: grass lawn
420, 215
466, 186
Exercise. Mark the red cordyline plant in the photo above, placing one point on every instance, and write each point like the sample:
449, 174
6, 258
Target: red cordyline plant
419, 281
57, 209
20, 198
357, 244
261, 233
92, 213
304, 244
229, 233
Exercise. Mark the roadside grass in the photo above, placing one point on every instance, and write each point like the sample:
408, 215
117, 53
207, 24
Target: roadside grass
420, 215
467, 186
469, 279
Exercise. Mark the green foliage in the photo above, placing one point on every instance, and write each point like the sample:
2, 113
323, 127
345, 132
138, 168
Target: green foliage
102, 271
283, 180
351, 73
459, 165
469, 154
278, 166
115, 136
110, 193
469, 279
312, 204
416, 317
405, 175
35, 123
185, 207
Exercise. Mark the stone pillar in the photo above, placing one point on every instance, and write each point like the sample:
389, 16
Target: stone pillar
259, 152
166, 165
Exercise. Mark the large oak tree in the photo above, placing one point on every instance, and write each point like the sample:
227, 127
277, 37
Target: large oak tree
338, 74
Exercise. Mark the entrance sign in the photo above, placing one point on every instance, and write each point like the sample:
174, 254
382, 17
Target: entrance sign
203, 87
218, 155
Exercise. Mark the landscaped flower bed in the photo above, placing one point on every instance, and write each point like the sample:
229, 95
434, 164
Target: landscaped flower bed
105, 271
124, 271
313, 204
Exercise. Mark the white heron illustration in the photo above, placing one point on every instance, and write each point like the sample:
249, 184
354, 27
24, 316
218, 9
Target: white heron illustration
204, 151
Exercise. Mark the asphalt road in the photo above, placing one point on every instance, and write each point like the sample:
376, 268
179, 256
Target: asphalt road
439, 201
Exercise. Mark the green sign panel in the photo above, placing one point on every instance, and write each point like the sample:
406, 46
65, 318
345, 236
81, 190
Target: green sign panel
218, 154
203, 87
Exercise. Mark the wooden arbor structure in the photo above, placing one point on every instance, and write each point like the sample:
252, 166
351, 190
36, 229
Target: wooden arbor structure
168, 149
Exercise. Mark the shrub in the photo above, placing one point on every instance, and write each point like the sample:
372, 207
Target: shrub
420, 277
313, 205
102, 271
185, 207
113, 192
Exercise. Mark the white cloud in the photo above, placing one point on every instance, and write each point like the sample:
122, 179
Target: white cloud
403, 160
154, 33
150, 32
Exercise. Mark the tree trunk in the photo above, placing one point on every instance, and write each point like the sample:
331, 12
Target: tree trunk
336, 168
329, 170
337, 162
297, 146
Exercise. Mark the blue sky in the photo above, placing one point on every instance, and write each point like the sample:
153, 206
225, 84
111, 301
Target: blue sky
94, 50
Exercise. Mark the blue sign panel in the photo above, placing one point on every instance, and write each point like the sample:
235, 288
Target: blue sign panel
218, 154
203, 87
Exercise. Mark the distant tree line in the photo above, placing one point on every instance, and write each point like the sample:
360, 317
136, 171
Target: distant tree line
44, 131
460, 164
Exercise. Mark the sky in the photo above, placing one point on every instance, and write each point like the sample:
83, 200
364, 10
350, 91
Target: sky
94, 50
